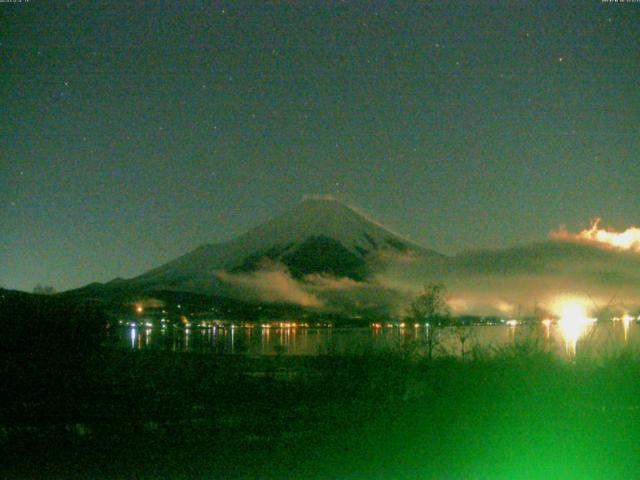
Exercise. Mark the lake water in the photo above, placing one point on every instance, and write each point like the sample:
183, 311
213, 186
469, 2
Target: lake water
598, 339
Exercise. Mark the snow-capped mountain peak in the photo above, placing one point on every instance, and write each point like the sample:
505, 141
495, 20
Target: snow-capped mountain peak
315, 236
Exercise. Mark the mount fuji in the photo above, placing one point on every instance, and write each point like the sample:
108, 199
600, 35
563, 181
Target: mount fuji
317, 237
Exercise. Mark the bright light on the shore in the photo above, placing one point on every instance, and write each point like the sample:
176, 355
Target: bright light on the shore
572, 310
574, 321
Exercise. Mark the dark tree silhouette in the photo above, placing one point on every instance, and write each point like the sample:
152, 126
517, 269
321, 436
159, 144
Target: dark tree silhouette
430, 307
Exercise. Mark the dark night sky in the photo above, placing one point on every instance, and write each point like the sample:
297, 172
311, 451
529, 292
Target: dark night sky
131, 132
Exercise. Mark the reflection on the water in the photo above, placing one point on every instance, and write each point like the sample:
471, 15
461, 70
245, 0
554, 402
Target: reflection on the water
574, 326
132, 335
568, 336
574, 321
626, 321
546, 324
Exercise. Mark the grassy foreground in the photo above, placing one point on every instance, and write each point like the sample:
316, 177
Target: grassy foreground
518, 414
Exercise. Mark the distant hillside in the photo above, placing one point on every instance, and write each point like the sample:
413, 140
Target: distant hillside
554, 257
49, 326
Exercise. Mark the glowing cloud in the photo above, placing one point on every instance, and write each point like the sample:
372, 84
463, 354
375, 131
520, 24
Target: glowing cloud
328, 282
274, 285
627, 240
